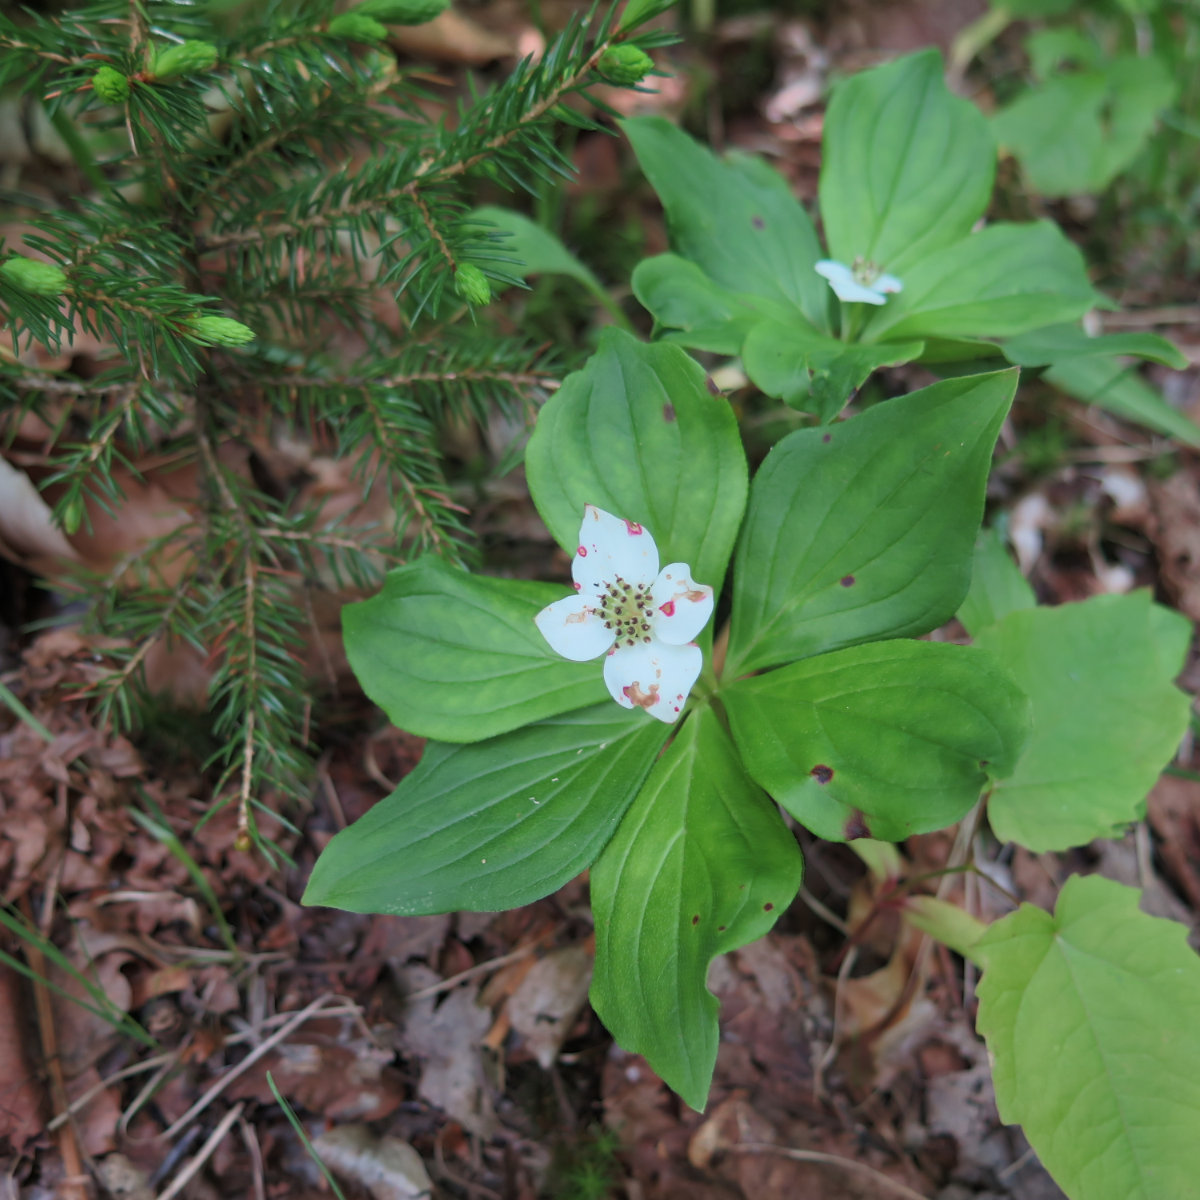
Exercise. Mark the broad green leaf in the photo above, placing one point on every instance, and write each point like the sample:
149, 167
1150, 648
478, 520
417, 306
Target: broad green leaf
538, 250
1076, 132
907, 166
736, 219
638, 433
1049, 49
1034, 8
1059, 343
864, 530
811, 371
879, 741
1001, 281
495, 824
997, 585
1092, 1020
457, 657
701, 865
1106, 716
1116, 387
677, 293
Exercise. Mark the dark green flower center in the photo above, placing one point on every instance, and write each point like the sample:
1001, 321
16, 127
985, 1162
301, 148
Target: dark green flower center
625, 609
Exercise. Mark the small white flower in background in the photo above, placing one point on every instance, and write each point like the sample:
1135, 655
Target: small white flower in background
863, 283
641, 618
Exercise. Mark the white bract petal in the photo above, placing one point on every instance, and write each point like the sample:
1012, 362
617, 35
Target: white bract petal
860, 284
612, 550
681, 606
645, 618
654, 676
574, 628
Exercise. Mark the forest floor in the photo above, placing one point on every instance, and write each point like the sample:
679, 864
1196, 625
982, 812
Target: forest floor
455, 1055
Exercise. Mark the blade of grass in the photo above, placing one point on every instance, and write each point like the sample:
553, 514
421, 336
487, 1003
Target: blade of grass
294, 1122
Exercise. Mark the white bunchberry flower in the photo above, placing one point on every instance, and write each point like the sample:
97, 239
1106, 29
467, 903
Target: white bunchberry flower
862, 283
641, 618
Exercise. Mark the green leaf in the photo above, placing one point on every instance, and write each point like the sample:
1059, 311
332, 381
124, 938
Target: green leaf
864, 530
811, 371
737, 219
1001, 281
638, 433
997, 585
1076, 132
1092, 1020
1116, 387
1106, 716
538, 251
457, 657
879, 741
701, 865
907, 166
495, 824
680, 296
1060, 343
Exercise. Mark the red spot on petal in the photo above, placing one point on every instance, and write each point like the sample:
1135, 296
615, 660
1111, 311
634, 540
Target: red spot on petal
668, 609
582, 552
578, 587
634, 528
821, 773
847, 581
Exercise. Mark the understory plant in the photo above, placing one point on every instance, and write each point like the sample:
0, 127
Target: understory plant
739, 655
272, 247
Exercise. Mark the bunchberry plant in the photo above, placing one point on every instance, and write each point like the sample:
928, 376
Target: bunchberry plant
271, 241
809, 694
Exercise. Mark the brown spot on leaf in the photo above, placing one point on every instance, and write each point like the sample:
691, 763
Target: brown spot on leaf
758, 223
856, 826
847, 581
821, 773
711, 384
827, 438
722, 928
768, 906
696, 919
668, 413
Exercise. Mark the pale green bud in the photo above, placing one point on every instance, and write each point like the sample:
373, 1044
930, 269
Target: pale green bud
188, 58
110, 85
34, 276
217, 331
401, 12
358, 27
472, 284
624, 64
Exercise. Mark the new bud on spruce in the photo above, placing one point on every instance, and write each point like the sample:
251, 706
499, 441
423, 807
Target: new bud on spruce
188, 58
217, 331
624, 64
472, 284
110, 85
401, 12
34, 276
357, 26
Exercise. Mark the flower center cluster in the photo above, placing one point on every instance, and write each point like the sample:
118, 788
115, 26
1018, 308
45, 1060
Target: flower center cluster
865, 272
625, 608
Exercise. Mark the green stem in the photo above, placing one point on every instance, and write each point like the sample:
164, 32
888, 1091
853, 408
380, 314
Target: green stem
946, 922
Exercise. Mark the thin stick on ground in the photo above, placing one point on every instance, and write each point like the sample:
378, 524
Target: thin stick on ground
883, 1181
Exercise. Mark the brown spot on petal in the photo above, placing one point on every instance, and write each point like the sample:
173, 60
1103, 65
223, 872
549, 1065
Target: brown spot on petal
639, 699
856, 826
578, 618
695, 595
668, 413
821, 773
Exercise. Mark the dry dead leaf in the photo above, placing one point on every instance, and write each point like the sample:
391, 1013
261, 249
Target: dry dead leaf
1177, 508
21, 1097
387, 1167
548, 1000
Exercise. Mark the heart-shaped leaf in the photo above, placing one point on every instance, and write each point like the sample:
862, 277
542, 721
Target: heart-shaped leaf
864, 530
639, 433
495, 824
702, 864
1106, 716
457, 657
879, 741
1092, 1020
